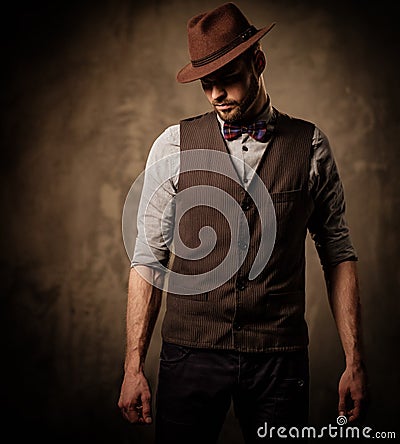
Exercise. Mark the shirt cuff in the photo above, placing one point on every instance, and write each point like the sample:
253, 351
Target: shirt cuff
337, 251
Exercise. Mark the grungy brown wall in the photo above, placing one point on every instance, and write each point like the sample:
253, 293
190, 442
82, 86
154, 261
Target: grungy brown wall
86, 89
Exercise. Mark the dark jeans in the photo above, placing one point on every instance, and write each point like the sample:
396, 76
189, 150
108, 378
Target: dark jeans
196, 387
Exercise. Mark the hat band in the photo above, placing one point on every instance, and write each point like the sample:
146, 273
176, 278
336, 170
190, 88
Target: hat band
224, 50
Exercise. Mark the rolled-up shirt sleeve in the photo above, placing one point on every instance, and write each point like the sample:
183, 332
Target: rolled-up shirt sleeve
155, 216
327, 225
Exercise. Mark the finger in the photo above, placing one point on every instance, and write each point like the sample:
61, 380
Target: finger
355, 412
146, 409
342, 404
121, 402
132, 415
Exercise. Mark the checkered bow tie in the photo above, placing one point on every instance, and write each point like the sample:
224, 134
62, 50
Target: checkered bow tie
257, 131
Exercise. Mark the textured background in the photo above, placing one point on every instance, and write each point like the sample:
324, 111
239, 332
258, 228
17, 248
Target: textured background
86, 88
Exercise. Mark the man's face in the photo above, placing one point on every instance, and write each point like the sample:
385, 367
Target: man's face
232, 90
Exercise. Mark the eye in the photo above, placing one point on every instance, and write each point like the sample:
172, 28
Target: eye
231, 79
206, 84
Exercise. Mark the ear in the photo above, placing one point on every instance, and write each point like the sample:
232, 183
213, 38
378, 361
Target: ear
260, 62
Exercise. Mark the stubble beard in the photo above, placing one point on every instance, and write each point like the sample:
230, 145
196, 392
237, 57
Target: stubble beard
240, 109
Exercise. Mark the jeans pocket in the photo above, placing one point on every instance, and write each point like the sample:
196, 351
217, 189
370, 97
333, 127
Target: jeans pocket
173, 353
289, 389
291, 401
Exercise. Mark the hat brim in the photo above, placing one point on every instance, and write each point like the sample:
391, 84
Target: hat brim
189, 73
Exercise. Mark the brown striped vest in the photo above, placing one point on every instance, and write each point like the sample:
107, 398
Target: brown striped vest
265, 313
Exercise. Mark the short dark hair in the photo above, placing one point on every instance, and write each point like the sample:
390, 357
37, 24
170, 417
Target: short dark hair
249, 53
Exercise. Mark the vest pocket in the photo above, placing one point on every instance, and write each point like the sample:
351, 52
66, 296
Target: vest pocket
285, 297
286, 310
285, 196
289, 209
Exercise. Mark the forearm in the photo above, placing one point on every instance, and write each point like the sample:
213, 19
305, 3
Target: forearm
143, 306
344, 298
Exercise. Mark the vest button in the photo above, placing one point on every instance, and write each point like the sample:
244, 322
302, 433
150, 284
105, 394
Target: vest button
246, 206
243, 245
237, 326
240, 285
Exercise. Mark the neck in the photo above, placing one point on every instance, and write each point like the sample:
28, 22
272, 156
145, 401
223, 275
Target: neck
259, 103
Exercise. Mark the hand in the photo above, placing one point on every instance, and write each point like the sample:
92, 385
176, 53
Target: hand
352, 392
135, 399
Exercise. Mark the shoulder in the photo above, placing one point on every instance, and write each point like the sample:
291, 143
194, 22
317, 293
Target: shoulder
321, 145
204, 124
323, 160
284, 119
166, 143
169, 136
199, 122
199, 117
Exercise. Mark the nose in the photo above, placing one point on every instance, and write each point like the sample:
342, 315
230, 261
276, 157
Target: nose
218, 92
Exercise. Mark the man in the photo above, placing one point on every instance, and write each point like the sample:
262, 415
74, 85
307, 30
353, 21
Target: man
242, 337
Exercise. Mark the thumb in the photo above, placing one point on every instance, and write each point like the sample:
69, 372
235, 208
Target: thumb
342, 403
146, 409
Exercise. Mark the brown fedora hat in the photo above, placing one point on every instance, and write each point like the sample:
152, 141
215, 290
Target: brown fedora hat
215, 38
